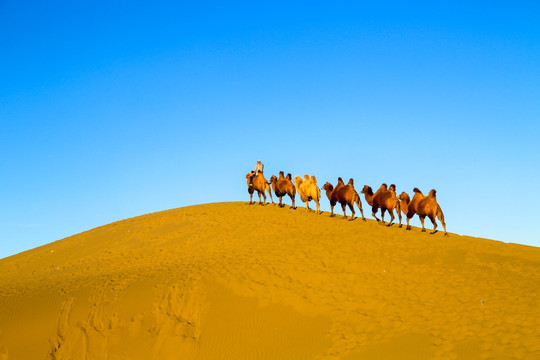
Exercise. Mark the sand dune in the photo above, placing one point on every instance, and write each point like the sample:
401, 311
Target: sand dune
234, 281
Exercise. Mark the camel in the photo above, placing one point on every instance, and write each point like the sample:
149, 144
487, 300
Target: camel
308, 190
283, 186
392, 189
404, 203
385, 199
423, 206
409, 206
345, 195
428, 206
258, 183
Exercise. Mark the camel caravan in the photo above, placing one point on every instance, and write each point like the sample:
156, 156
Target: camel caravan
384, 198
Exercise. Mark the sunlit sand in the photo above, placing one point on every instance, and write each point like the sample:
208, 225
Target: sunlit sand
239, 281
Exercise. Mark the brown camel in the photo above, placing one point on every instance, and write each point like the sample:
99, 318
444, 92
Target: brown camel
345, 195
392, 189
428, 206
257, 182
404, 203
409, 206
384, 199
283, 186
308, 190
423, 206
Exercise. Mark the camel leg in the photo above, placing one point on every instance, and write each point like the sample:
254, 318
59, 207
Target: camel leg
391, 212
344, 210
359, 204
408, 226
293, 206
318, 206
373, 211
422, 218
250, 199
440, 215
259, 193
382, 214
331, 210
352, 210
269, 193
307, 206
432, 218
280, 203
398, 209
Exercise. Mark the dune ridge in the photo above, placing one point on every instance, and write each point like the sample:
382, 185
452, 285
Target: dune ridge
231, 280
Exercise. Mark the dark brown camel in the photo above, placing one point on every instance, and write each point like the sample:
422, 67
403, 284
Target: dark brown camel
345, 195
260, 184
384, 199
283, 186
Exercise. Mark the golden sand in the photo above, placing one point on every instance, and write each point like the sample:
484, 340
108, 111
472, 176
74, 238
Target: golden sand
237, 281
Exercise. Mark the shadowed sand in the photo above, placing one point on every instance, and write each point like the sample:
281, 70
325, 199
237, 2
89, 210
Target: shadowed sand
237, 281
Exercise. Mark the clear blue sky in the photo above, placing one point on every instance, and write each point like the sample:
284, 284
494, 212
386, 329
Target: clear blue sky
110, 110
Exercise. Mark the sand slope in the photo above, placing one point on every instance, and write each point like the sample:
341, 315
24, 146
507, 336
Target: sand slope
234, 281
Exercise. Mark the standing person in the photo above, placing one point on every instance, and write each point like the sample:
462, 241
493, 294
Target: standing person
259, 167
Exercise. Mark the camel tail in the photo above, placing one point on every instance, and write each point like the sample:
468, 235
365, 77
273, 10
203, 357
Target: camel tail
358, 201
267, 185
440, 215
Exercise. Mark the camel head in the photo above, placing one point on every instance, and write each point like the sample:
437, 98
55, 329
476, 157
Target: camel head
249, 178
328, 187
367, 190
298, 180
404, 197
273, 178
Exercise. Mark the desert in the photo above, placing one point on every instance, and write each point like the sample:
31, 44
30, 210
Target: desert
237, 281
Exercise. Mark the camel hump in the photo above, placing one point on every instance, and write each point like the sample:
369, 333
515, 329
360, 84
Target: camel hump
393, 187
281, 174
384, 186
289, 176
306, 176
340, 180
417, 190
313, 179
433, 193
351, 181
